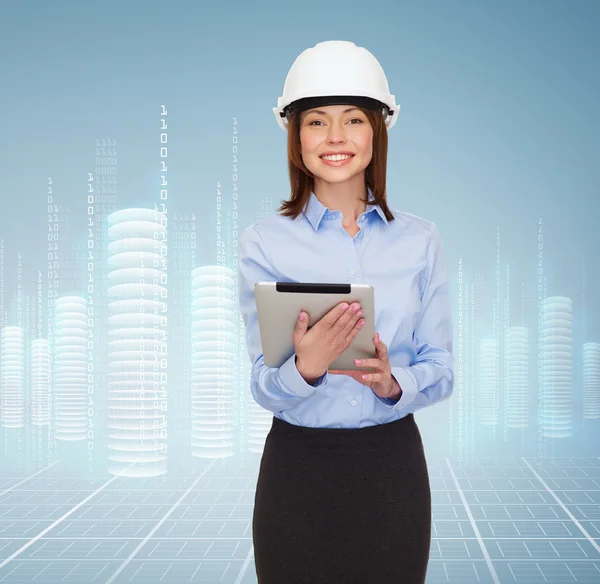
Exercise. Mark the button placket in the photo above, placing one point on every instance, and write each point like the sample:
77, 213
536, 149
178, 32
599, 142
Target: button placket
356, 256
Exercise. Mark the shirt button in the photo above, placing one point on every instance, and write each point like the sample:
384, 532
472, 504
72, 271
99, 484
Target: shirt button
353, 272
353, 402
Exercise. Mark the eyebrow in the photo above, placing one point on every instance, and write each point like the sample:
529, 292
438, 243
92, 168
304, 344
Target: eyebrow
321, 112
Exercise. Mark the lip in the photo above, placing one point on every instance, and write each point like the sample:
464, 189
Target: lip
336, 163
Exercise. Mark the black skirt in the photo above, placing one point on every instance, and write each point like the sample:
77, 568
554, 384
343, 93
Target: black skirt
337, 505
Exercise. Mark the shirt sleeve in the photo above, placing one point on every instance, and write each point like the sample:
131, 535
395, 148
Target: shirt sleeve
273, 388
430, 378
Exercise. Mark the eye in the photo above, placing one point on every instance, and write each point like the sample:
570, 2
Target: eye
352, 120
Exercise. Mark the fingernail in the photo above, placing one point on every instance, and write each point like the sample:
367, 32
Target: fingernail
301, 316
357, 361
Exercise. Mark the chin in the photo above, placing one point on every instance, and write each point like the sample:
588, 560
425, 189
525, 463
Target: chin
337, 178
334, 175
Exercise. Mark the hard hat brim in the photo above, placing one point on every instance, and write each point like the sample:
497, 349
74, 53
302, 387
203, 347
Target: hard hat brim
306, 103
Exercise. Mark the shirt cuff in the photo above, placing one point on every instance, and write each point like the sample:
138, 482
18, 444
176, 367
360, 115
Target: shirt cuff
291, 378
407, 383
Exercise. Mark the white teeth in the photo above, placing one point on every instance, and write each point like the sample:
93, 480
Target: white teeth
337, 157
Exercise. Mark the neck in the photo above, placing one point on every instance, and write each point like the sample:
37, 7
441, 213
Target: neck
345, 197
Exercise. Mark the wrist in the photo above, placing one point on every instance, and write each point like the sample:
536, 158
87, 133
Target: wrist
397, 391
309, 376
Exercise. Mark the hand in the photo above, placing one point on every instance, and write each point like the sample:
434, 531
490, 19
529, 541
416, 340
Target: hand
381, 381
326, 340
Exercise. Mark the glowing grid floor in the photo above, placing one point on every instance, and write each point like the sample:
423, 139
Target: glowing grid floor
496, 521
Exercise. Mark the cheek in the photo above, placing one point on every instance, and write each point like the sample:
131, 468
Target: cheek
310, 148
365, 143
309, 145
366, 152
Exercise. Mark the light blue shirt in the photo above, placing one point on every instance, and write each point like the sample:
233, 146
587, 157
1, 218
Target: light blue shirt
405, 263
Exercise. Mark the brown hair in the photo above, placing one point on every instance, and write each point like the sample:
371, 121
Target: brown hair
302, 180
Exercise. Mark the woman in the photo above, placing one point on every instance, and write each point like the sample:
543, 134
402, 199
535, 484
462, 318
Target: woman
343, 493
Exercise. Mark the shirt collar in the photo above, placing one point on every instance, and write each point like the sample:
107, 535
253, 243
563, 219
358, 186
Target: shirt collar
316, 210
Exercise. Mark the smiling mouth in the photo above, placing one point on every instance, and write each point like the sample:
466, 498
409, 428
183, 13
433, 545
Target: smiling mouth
336, 157
336, 161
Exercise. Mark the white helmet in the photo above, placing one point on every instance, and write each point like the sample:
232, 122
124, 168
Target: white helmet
336, 73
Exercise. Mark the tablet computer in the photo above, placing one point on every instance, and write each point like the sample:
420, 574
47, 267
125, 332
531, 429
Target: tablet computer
279, 304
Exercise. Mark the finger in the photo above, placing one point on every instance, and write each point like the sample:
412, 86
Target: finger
377, 340
374, 377
380, 345
301, 326
348, 334
332, 317
351, 323
378, 363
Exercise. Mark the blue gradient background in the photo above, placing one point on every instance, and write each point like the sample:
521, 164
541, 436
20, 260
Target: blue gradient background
498, 127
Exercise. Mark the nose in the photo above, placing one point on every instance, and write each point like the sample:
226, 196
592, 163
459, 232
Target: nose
336, 133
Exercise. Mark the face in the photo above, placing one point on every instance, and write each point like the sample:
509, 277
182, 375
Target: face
339, 128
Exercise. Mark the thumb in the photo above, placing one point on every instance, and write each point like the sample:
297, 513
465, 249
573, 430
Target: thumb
301, 325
